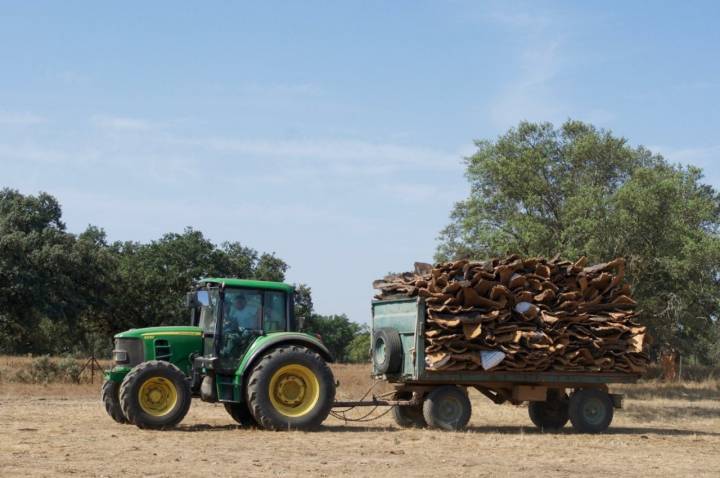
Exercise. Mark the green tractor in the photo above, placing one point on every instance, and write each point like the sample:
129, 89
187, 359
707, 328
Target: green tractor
242, 349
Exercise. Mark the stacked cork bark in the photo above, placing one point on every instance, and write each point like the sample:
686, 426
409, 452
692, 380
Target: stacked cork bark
540, 314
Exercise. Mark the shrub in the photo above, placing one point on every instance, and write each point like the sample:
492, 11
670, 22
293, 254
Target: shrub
70, 369
43, 370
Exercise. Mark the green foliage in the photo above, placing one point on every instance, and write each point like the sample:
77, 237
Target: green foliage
70, 369
337, 333
303, 301
576, 190
66, 293
358, 351
42, 370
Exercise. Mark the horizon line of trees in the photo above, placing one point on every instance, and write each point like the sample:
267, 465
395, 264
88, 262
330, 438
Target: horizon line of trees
64, 293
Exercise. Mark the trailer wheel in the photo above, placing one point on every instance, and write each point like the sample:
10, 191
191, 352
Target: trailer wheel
552, 414
387, 350
591, 410
241, 414
155, 394
291, 387
408, 416
448, 408
110, 399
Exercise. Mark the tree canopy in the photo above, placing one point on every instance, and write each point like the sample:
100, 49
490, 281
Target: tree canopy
62, 292
582, 191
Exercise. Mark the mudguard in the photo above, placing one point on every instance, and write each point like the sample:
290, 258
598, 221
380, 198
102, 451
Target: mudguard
266, 342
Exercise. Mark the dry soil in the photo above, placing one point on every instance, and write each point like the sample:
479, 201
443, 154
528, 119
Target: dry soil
62, 429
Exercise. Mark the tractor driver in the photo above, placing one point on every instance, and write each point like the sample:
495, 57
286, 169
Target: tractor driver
240, 326
240, 316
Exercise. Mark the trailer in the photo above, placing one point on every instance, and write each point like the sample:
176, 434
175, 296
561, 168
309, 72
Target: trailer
439, 399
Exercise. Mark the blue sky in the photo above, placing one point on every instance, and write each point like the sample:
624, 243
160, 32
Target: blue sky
331, 133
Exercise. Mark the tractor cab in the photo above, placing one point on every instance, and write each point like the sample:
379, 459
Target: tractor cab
234, 313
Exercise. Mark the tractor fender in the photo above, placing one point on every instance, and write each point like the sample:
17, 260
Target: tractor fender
263, 344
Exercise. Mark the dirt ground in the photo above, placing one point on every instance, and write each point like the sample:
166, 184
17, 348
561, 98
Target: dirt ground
62, 429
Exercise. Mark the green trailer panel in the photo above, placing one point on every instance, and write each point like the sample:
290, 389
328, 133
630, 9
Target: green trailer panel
401, 315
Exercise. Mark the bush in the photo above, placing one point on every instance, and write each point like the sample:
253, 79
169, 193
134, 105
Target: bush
359, 349
41, 370
70, 369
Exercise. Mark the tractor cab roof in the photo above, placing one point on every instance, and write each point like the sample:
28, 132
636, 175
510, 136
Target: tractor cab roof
246, 283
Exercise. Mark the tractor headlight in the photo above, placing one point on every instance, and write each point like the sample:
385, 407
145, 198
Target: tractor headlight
128, 352
120, 356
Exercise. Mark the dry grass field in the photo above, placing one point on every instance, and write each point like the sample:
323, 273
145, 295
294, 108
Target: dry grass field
62, 429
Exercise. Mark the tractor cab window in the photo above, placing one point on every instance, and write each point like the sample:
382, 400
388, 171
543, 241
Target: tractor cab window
242, 310
209, 312
274, 312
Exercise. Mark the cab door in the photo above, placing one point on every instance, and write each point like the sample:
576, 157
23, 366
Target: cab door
247, 315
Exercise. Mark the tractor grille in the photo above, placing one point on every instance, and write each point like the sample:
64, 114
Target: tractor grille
163, 350
128, 352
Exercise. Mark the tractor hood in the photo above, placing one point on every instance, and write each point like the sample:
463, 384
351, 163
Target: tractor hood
174, 344
152, 332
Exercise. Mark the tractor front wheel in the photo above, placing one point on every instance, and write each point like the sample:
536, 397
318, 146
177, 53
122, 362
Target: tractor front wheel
155, 394
290, 387
111, 400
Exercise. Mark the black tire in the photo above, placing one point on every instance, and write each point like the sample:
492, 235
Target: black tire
110, 398
174, 381
408, 416
274, 412
386, 350
551, 415
241, 414
447, 408
591, 410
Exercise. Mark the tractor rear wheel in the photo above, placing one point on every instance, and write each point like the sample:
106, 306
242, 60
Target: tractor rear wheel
241, 414
155, 394
111, 400
291, 387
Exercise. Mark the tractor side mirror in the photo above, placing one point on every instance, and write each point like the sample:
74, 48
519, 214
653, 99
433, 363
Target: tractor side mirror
300, 323
203, 297
197, 298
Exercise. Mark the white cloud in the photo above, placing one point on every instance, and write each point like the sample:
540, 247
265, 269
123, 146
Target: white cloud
282, 89
706, 157
407, 192
10, 118
521, 18
531, 94
543, 43
30, 153
73, 78
336, 155
124, 123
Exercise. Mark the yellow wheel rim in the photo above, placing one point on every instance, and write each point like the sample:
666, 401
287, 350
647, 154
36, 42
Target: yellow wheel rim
294, 390
157, 396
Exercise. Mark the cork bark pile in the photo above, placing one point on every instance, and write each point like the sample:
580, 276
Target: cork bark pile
525, 315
